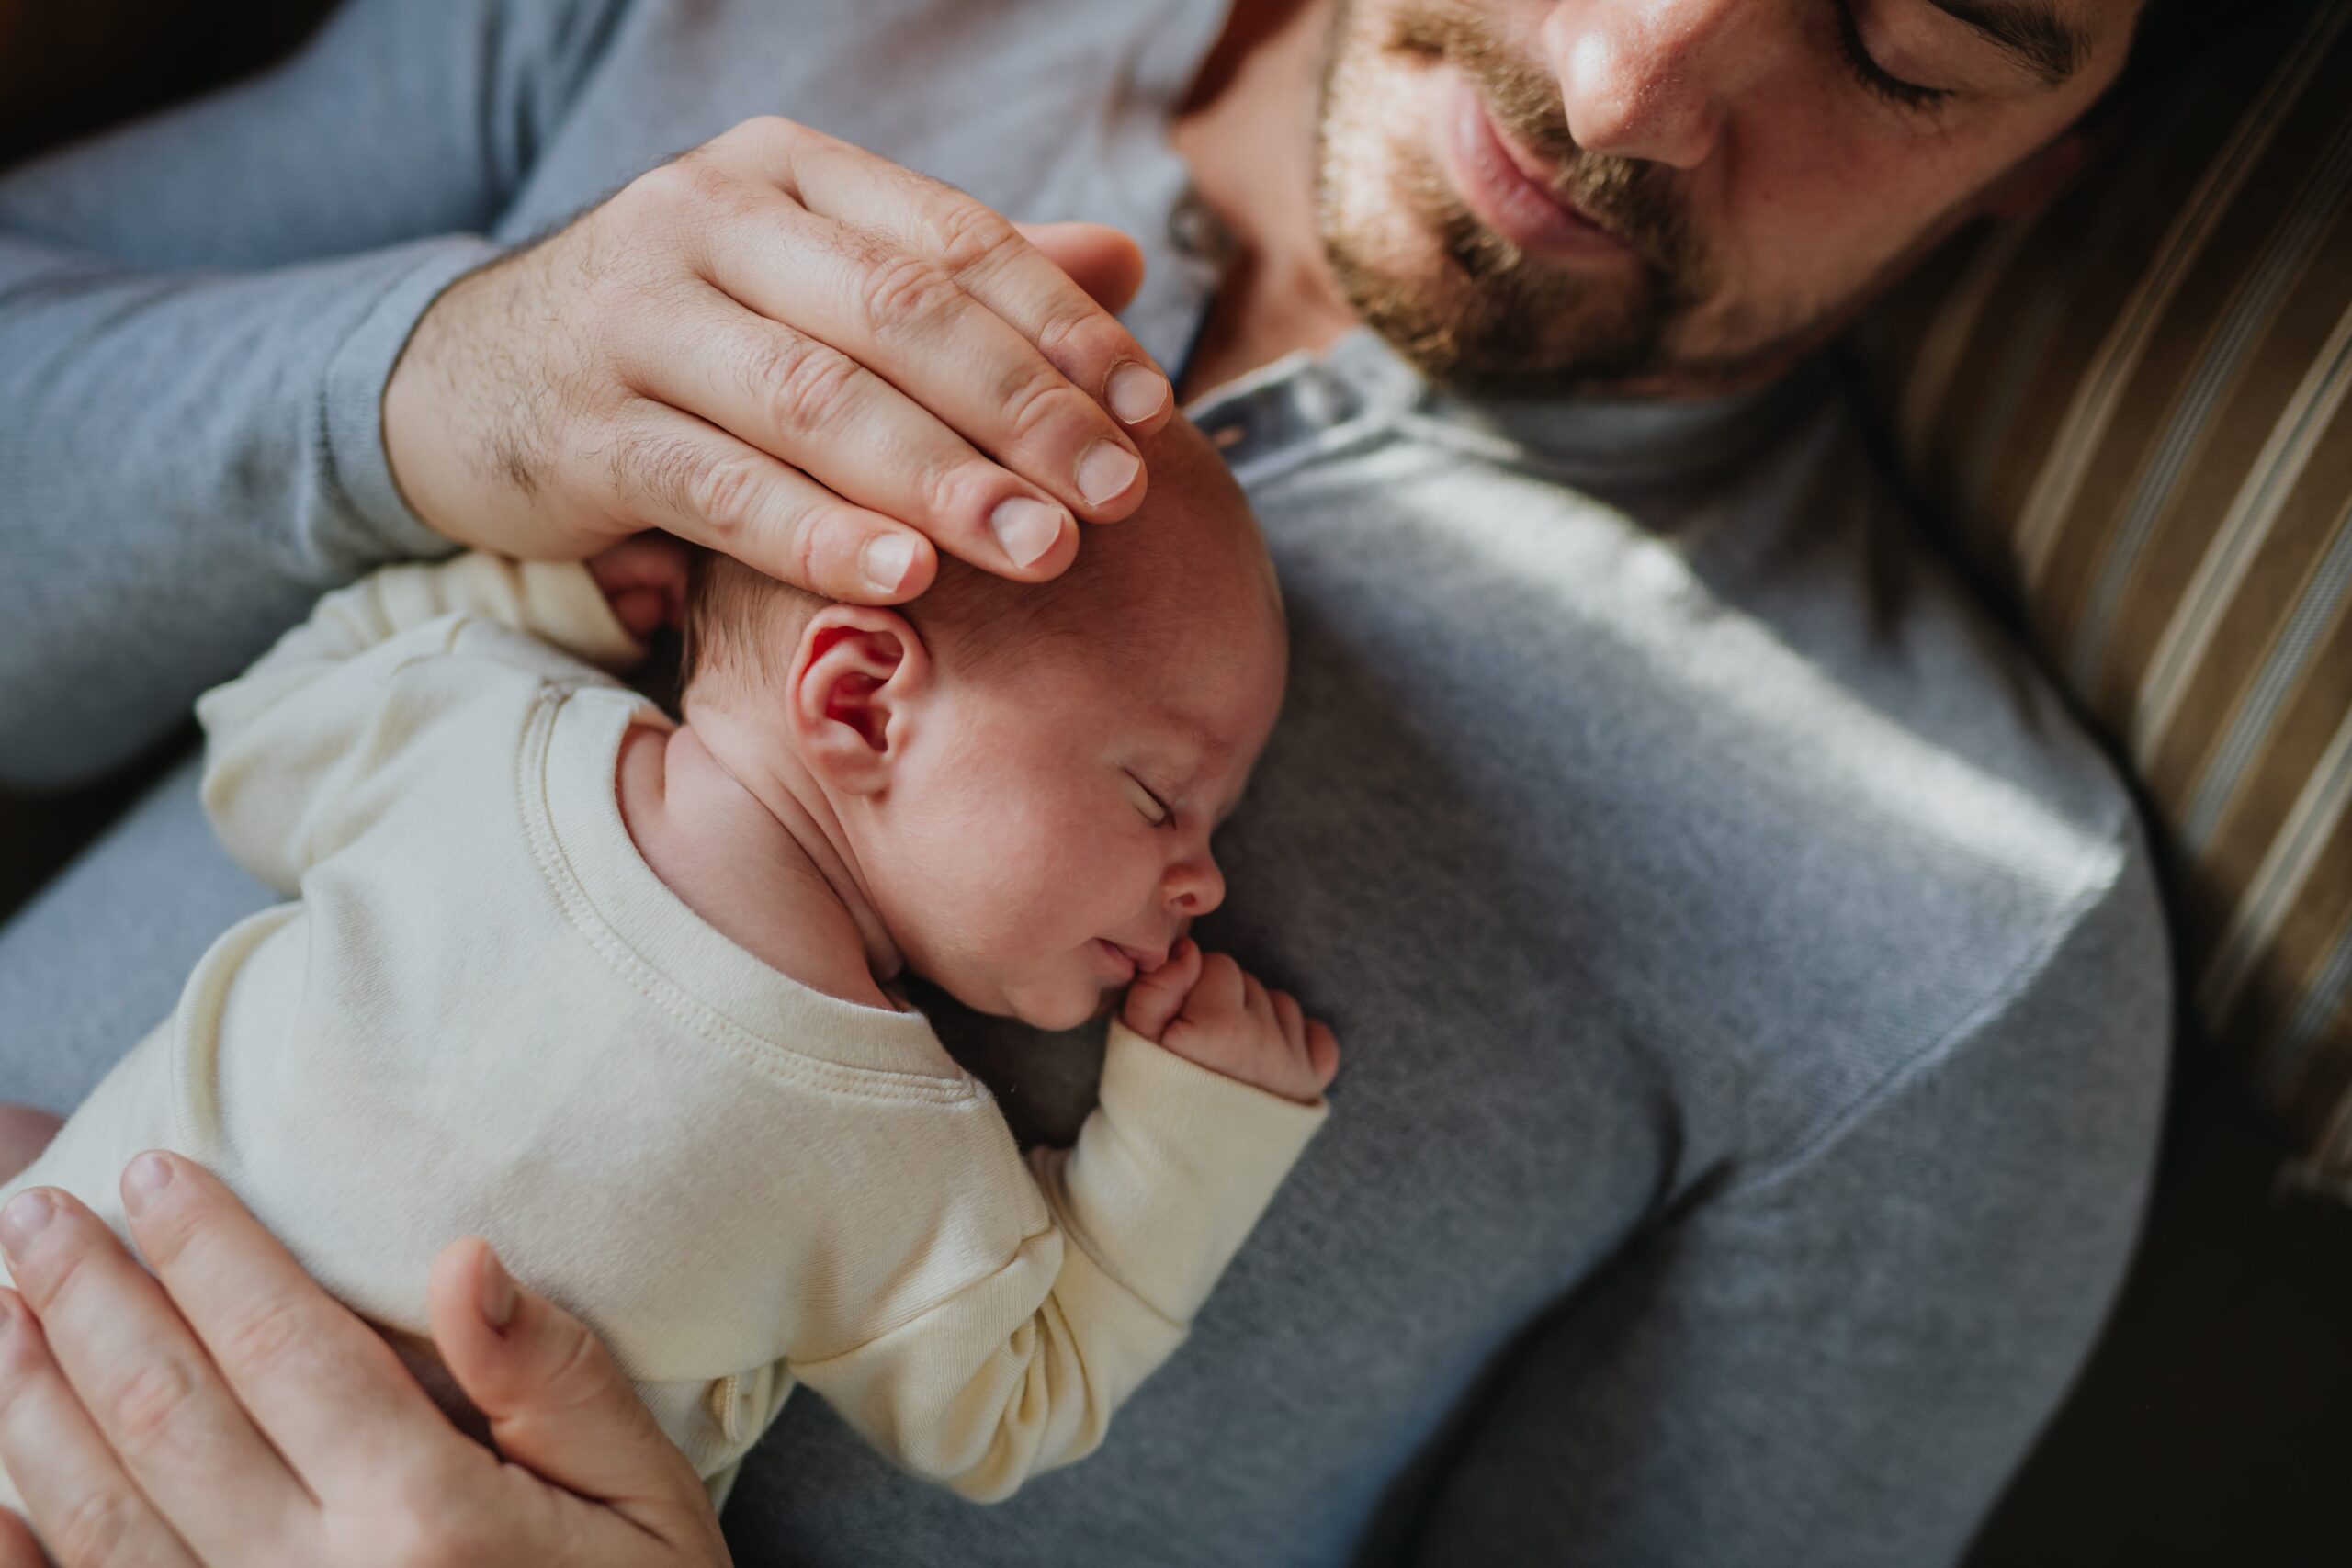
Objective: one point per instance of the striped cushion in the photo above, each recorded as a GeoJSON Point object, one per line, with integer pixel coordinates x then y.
{"type": "Point", "coordinates": [2136, 411]}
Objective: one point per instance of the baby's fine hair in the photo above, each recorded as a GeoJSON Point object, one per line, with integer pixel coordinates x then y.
{"type": "Point", "coordinates": [1122, 570]}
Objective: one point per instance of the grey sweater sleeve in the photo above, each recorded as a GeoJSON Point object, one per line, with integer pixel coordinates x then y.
{"type": "Point", "coordinates": [198, 314]}
{"type": "Point", "coordinates": [1863, 1338]}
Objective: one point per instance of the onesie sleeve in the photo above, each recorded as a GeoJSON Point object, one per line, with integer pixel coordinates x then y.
{"type": "Point", "coordinates": [305, 749]}
{"type": "Point", "coordinates": [1020, 1370]}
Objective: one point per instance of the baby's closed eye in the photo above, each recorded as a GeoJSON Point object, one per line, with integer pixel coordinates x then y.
{"type": "Point", "coordinates": [1155, 811]}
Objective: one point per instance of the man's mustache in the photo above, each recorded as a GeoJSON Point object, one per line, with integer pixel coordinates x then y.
{"type": "Point", "coordinates": [1633, 198]}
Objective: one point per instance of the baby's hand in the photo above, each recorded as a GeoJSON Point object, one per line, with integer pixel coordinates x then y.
{"type": "Point", "coordinates": [1203, 1007]}
{"type": "Point", "coordinates": [644, 580]}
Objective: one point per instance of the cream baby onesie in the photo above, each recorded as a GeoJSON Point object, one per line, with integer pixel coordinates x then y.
{"type": "Point", "coordinates": [484, 1014]}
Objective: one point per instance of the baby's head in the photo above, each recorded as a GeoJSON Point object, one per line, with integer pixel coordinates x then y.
{"type": "Point", "coordinates": [1025, 776]}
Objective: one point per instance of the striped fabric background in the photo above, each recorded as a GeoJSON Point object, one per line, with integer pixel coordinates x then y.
{"type": "Point", "coordinates": [2136, 411]}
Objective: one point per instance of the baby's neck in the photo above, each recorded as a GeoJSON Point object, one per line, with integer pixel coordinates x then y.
{"type": "Point", "coordinates": [754, 860]}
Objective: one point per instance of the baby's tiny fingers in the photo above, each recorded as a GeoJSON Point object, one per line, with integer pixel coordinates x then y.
{"type": "Point", "coordinates": [1153, 999]}
{"type": "Point", "coordinates": [1259, 1005]}
{"type": "Point", "coordinates": [641, 611]}
{"type": "Point", "coordinates": [1322, 1054]}
{"type": "Point", "coordinates": [1291, 1018]}
{"type": "Point", "coordinates": [1219, 990]}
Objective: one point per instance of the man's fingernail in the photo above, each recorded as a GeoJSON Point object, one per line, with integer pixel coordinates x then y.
{"type": "Point", "coordinates": [497, 1293]}
{"type": "Point", "coordinates": [147, 1175]}
{"type": "Point", "coordinates": [1026, 529]}
{"type": "Point", "coordinates": [1106, 469]}
{"type": "Point", "coordinates": [27, 1216]}
{"type": "Point", "coordinates": [1136, 392]}
{"type": "Point", "coordinates": [886, 559]}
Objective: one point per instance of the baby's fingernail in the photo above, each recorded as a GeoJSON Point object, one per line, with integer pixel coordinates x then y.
{"type": "Point", "coordinates": [1136, 392]}
{"type": "Point", "coordinates": [1026, 529]}
{"type": "Point", "coordinates": [497, 1293]}
{"type": "Point", "coordinates": [1105, 471]}
{"type": "Point", "coordinates": [147, 1175]}
{"type": "Point", "coordinates": [886, 559]}
{"type": "Point", "coordinates": [27, 1216]}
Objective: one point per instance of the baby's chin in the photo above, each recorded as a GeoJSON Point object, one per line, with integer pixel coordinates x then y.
{"type": "Point", "coordinates": [1075, 1013]}
{"type": "Point", "coordinates": [1072, 1004]}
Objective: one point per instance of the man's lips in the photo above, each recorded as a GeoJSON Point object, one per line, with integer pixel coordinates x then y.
{"type": "Point", "coordinates": [1509, 189]}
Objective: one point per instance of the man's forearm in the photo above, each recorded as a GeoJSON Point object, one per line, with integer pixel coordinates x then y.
{"type": "Point", "coordinates": [197, 315]}
{"type": "Point", "coordinates": [187, 463]}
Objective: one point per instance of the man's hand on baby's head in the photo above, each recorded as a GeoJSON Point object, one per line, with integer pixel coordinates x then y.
{"type": "Point", "coordinates": [644, 580]}
{"type": "Point", "coordinates": [1207, 1009]}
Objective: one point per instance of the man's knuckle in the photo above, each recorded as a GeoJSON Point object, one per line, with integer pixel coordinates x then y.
{"type": "Point", "coordinates": [58, 1282]}
{"type": "Point", "coordinates": [168, 1228]}
{"type": "Point", "coordinates": [146, 1405]}
{"type": "Point", "coordinates": [724, 491]}
{"type": "Point", "coordinates": [97, 1529]}
{"type": "Point", "coordinates": [902, 295]}
{"type": "Point", "coordinates": [685, 185]}
{"type": "Point", "coordinates": [1076, 332]}
{"type": "Point", "coordinates": [1034, 397]}
{"type": "Point", "coordinates": [956, 491]}
{"type": "Point", "coordinates": [657, 473]}
{"type": "Point", "coordinates": [581, 1373]}
{"type": "Point", "coordinates": [767, 131]}
{"type": "Point", "coordinates": [966, 236]}
{"type": "Point", "coordinates": [803, 384]}
{"type": "Point", "coordinates": [827, 533]}
{"type": "Point", "coordinates": [689, 479]}
{"type": "Point", "coordinates": [263, 1338]}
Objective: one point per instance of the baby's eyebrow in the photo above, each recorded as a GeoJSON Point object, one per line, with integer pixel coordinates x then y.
{"type": "Point", "coordinates": [1198, 739]}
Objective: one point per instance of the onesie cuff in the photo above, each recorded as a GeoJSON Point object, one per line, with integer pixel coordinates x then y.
{"type": "Point", "coordinates": [1173, 1170]}
{"type": "Point", "coordinates": [379, 525]}
{"type": "Point", "coordinates": [1224, 1134]}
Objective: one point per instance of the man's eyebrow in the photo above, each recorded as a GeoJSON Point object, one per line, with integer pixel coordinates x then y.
{"type": "Point", "coordinates": [2032, 33]}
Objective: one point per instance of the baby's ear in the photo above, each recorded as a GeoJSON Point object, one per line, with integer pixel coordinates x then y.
{"type": "Point", "coordinates": [855, 677]}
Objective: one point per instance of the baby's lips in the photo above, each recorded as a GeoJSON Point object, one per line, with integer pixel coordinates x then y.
{"type": "Point", "coordinates": [1146, 960]}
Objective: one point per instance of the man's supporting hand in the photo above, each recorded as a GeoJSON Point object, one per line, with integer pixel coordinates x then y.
{"type": "Point", "coordinates": [227, 1411]}
{"type": "Point", "coordinates": [791, 351]}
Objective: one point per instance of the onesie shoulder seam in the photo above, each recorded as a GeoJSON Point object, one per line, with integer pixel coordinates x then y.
{"type": "Point", "coordinates": [768, 1058]}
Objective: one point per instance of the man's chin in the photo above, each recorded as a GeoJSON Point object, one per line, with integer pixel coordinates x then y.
{"type": "Point", "coordinates": [1525, 335]}
{"type": "Point", "coordinates": [1443, 324]}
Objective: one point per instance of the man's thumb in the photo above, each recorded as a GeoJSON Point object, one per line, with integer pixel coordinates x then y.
{"type": "Point", "coordinates": [1099, 259]}
{"type": "Point", "coordinates": [556, 1403]}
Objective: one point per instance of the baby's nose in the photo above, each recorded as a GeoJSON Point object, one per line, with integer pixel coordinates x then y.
{"type": "Point", "coordinates": [1195, 886]}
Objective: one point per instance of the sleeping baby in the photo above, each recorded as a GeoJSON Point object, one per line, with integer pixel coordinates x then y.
{"type": "Point", "coordinates": [618, 993]}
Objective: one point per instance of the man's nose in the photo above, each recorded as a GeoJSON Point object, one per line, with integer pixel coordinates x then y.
{"type": "Point", "coordinates": [1637, 76]}
{"type": "Point", "coordinates": [1193, 885]}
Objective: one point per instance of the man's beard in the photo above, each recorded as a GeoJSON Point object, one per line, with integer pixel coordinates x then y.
{"type": "Point", "coordinates": [1462, 302]}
